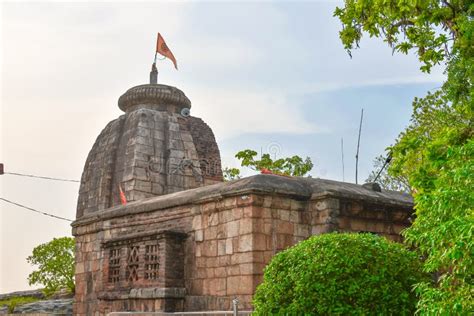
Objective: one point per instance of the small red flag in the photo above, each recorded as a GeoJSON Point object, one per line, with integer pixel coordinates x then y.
{"type": "Point", "coordinates": [123, 198]}
{"type": "Point", "coordinates": [163, 49]}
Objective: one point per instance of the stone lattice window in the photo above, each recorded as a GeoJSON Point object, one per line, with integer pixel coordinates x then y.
{"type": "Point", "coordinates": [114, 265]}
{"type": "Point", "coordinates": [137, 260]}
{"type": "Point", "coordinates": [152, 263]}
{"type": "Point", "coordinates": [133, 261]}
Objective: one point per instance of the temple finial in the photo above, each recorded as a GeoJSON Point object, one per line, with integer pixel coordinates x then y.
{"type": "Point", "coordinates": [154, 74]}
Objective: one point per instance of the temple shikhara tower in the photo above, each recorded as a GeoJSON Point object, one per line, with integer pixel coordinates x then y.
{"type": "Point", "coordinates": [185, 240]}
{"type": "Point", "coordinates": [155, 148]}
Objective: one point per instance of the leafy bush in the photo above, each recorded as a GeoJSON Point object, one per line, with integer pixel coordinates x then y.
{"type": "Point", "coordinates": [340, 274]}
{"type": "Point", "coordinates": [55, 261]}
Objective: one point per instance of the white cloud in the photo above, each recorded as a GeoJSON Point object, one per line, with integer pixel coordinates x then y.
{"type": "Point", "coordinates": [206, 54]}
{"type": "Point", "coordinates": [381, 81]}
{"type": "Point", "coordinates": [236, 112]}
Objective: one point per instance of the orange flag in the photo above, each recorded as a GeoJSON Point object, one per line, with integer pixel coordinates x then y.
{"type": "Point", "coordinates": [163, 49]}
{"type": "Point", "coordinates": [123, 198]}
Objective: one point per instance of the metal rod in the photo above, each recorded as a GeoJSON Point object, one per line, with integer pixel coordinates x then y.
{"type": "Point", "coordinates": [342, 157]}
{"type": "Point", "coordinates": [358, 145]}
{"type": "Point", "coordinates": [235, 306]}
{"type": "Point", "coordinates": [387, 161]}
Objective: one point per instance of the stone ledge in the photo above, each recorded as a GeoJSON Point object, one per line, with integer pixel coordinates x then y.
{"type": "Point", "coordinates": [50, 307]}
{"type": "Point", "coordinates": [34, 293]}
{"type": "Point", "coordinates": [298, 188]}
{"type": "Point", "coordinates": [153, 94]}
{"type": "Point", "coordinates": [323, 187]}
{"type": "Point", "coordinates": [173, 292]}
{"type": "Point", "coordinates": [145, 293]}
{"type": "Point", "coordinates": [125, 239]}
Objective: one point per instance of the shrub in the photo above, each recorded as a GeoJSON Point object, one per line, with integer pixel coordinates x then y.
{"type": "Point", "coordinates": [342, 274]}
{"type": "Point", "coordinates": [55, 261]}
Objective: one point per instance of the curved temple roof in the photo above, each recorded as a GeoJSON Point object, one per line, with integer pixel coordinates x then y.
{"type": "Point", "coordinates": [155, 148]}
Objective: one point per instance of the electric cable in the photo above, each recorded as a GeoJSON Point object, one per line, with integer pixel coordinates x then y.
{"type": "Point", "coordinates": [40, 177]}
{"type": "Point", "coordinates": [34, 210]}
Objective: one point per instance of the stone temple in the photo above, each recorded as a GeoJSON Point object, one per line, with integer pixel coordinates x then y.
{"type": "Point", "coordinates": [155, 148]}
{"type": "Point", "coordinates": [186, 240]}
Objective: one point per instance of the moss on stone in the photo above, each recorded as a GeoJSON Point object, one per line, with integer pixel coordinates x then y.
{"type": "Point", "coordinates": [15, 301]}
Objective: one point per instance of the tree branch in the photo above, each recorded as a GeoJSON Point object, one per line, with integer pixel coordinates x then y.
{"type": "Point", "coordinates": [403, 23]}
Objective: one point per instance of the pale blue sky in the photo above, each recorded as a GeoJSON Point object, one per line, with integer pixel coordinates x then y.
{"type": "Point", "coordinates": [263, 75]}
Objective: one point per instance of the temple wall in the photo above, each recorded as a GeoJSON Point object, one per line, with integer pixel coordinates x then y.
{"type": "Point", "coordinates": [198, 249]}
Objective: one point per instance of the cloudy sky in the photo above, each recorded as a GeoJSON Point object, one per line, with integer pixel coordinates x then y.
{"type": "Point", "coordinates": [271, 76]}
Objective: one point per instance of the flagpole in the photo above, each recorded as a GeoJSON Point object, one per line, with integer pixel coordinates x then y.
{"type": "Point", "coordinates": [154, 72]}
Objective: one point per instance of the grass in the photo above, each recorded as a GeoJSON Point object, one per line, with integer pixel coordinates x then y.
{"type": "Point", "coordinates": [12, 302]}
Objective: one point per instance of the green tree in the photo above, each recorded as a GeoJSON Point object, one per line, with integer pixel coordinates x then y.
{"type": "Point", "coordinates": [438, 31]}
{"type": "Point", "coordinates": [385, 179]}
{"type": "Point", "coordinates": [55, 261]}
{"type": "Point", "coordinates": [290, 166]}
{"type": "Point", "coordinates": [231, 174]}
{"type": "Point", "coordinates": [435, 153]}
{"type": "Point", "coordinates": [340, 274]}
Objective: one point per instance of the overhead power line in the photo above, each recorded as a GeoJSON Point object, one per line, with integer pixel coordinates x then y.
{"type": "Point", "coordinates": [34, 210]}
{"type": "Point", "coordinates": [40, 177]}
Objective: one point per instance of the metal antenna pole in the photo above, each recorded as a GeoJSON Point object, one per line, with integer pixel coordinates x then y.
{"type": "Point", "coordinates": [358, 143]}
{"type": "Point", "coordinates": [342, 157]}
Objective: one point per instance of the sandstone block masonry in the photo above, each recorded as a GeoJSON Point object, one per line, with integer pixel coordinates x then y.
{"type": "Point", "coordinates": [155, 148]}
{"type": "Point", "coordinates": [198, 249]}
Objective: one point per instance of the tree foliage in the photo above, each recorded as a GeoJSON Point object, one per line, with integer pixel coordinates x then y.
{"type": "Point", "coordinates": [436, 30]}
{"type": "Point", "coordinates": [231, 174]}
{"type": "Point", "coordinates": [386, 180]}
{"type": "Point", "coordinates": [290, 166]}
{"type": "Point", "coordinates": [340, 274]}
{"type": "Point", "coordinates": [440, 32]}
{"type": "Point", "coordinates": [55, 261]}
{"type": "Point", "coordinates": [435, 153]}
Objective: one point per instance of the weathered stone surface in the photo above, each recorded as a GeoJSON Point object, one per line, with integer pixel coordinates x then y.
{"type": "Point", "coordinates": [158, 293]}
{"type": "Point", "coordinates": [52, 307]}
{"type": "Point", "coordinates": [158, 95]}
{"type": "Point", "coordinates": [300, 189]}
{"type": "Point", "coordinates": [31, 293]}
{"type": "Point", "coordinates": [151, 150]}
{"type": "Point", "coordinates": [233, 231]}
